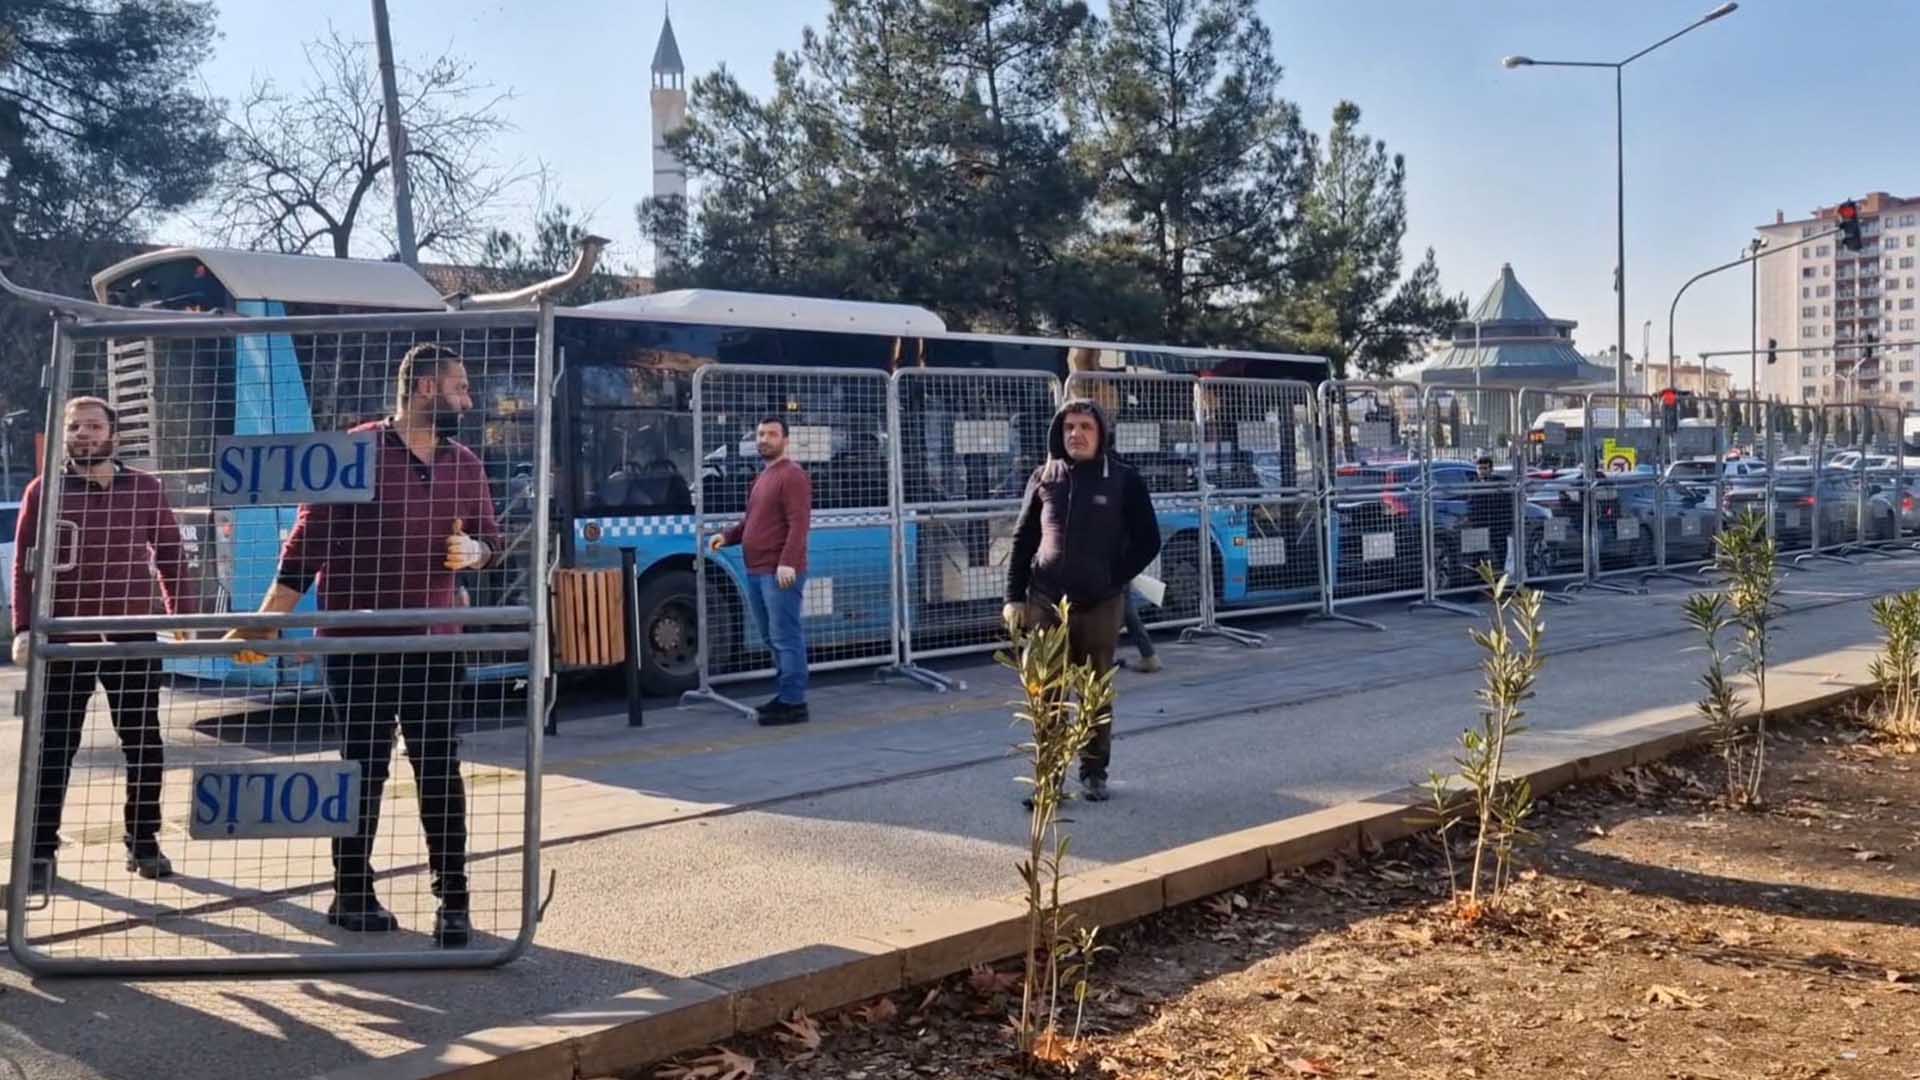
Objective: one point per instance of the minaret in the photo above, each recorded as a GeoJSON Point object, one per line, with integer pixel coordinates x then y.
{"type": "Point", "coordinates": [669, 101]}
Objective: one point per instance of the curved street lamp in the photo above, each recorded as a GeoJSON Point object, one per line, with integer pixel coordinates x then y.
{"type": "Point", "coordinates": [1620, 167]}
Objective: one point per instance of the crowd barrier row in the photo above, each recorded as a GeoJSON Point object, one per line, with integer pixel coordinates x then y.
{"type": "Point", "coordinates": [1272, 496]}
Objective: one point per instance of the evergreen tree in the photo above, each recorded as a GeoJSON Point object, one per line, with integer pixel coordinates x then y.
{"type": "Point", "coordinates": [1201, 162]}
{"type": "Point", "coordinates": [1012, 200]}
{"type": "Point", "coordinates": [1349, 300]}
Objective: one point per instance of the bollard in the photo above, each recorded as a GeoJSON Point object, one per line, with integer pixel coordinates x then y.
{"type": "Point", "coordinates": [630, 609]}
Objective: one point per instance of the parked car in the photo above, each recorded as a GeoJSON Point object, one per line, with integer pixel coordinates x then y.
{"type": "Point", "coordinates": [1799, 496]}
{"type": "Point", "coordinates": [1377, 528]}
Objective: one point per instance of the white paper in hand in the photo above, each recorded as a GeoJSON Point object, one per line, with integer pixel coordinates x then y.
{"type": "Point", "coordinates": [1151, 589]}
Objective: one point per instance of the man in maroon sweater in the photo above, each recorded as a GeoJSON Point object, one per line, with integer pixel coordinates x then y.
{"type": "Point", "coordinates": [431, 517]}
{"type": "Point", "coordinates": [779, 512]}
{"type": "Point", "coordinates": [122, 547]}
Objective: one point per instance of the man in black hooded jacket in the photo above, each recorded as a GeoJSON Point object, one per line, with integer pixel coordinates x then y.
{"type": "Point", "coordinates": [1087, 528]}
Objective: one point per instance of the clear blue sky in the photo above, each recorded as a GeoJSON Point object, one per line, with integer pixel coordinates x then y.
{"type": "Point", "coordinates": [1782, 105]}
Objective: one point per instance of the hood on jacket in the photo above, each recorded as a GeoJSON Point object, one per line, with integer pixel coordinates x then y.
{"type": "Point", "coordinates": [1057, 430]}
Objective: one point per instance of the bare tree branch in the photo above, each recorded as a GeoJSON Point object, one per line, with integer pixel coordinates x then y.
{"type": "Point", "coordinates": [310, 168]}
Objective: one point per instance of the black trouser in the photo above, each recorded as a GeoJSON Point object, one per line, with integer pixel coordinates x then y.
{"type": "Point", "coordinates": [133, 700]}
{"type": "Point", "coordinates": [374, 694]}
{"type": "Point", "coordinates": [1093, 631]}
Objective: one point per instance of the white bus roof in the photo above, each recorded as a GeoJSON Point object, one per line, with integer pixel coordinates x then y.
{"type": "Point", "coordinates": [301, 279]}
{"type": "Point", "coordinates": [718, 307]}
{"type": "Point", "coordinates": [1135, 346]}
{"type": "Point", "coordinates": [1576, 418]}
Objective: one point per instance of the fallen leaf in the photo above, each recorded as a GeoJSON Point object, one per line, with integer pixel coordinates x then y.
{"type": "Point", "coordinates": [1111, 1067]}
{"type": "Point", "coordinates": [878, 1011]}
{"type": "Point", "coordinates": [926, 1005]}
{"type": "Point", "coordinates": [1896, 976]}
{"type": "Point", "coordinates": [1260, 1043]}
{"type": "Point", "coordinates": [1673, 997]}
{"type": "Point", "coordinates": [722, 1064]}
{"type": "Point", "coordinates": [1868, 856]}
{"type": "Point", "coordinates": [1736, 937]}
{"type": "Point", "coordinates": [988, 982]}
{"type": "Point", "coordinates": [1050, 1047]}
{"type": "Point", "coordinates": [1310, 1066]}
{"type": "Point", "coordinates": [802, 1033]}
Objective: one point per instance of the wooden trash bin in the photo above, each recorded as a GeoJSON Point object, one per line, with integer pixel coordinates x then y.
{"type": "Point", "coordinates": [589, 629]}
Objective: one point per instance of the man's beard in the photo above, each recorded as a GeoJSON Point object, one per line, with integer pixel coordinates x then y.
{"type": "Point", "coordinates": [768, 453]}
{"type": "Point", "coordinates": [89, 456]}
{"type": "Point", "coordinates": [446, 421]}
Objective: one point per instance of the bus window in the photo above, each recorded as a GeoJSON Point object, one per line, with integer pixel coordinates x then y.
{"type": "Point", "coordinates": [634, 440]}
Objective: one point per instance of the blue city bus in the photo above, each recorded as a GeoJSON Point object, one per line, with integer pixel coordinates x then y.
{"type": "Point", "coordinates": [174, 397]}
{"type": "Point", "coordinates": [623, 427]}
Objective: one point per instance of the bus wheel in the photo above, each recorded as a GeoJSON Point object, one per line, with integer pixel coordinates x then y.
{"type": "Point", "coordinates": [1180, 563]}
{"type": "Point", "coordinates": [670, 630]}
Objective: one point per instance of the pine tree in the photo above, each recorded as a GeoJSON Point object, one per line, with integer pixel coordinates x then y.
{"type": "Point", "coordinates": [1201, 162]}
{"type": "Point", "coordinates": [1348, 300]}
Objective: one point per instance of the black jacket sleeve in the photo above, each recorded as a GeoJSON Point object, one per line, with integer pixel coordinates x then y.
{"type": "Point", "coordinates": [1026, 541]}
{"type": "Point", "coordinates": [1143, 530]}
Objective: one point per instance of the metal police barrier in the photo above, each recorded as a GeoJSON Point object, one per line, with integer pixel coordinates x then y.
{"type": "Point", "coordinates": [1693, 482]}
{"type": "Point", "coordinates": [1747, 466]}
{"type": "Point", "coordinates": [1888, 501]}
{"type": "Point", "coordinates": [1370, 494]}
{"type": "Point", "coordinates": [1838, 505]}
{"type": "Point", "coordinates": [836, 429]}
{"type": "Point", "coordinates": [1260, 464]}
{"type": "Point", "coordinates": [1470, 498]}
{"type": "Point", "coordinates": [1553, 493]}
{"type": "Point", "coordinates": [1790, 497]}
{"type": "Point", "coordinates": [180, 823]}
{"type": "Point", "coordinates": [965, 444]}
{"type": "Point", "coordinates": [1624, 456]}
{"type": "Point", "coordinates": [1153, 431]}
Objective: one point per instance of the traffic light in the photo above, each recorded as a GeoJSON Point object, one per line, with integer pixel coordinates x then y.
{"type": "Point", "coordinates": [1670, 410]}
{"type": "Point", "coordinates": [1772, 345]}
{"type": "Point", "coordinates": [1849, 215]}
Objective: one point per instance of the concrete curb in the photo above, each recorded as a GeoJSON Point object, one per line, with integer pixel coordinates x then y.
{"type": "Point", "coordinates": [674, 1015]}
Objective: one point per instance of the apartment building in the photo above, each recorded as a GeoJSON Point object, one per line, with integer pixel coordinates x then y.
{"type": "Point", "coordinates": [1833, 303]}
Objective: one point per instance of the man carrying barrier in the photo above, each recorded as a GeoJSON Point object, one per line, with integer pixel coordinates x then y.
{"type": "Point", "coordinates": [431, 517]}
{"type": "Point", "coordinates": [1087, 528]}
{"type": "Point", "coordinates": [123, 556]}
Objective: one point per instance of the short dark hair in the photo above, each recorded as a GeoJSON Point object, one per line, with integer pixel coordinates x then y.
{"type": "Point", "coordinates": [113, 417]}
{"type": "Point", "coordinates": [770, 419]}
{"type": "Point", "coordinates": [427, 360]}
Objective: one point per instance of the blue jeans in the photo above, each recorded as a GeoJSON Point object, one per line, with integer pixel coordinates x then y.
{"type": "Point", "coordinates": [776, 611]}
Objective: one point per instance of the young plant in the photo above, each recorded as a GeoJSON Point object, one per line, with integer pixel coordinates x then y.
{"type": "Point", "coordinates": [1510, 665]}
{"type": "Point", "coordinates": [1748, 606]}
{"type": "Point", "coordinates": [1720, 707]}
{"type": "Point", "coordinates": [1896, 715]}
{"type": "Point", "coordinates": [1064, 704]}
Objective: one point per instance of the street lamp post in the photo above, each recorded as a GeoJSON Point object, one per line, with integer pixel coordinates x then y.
{"type": "Point", "coordinates": [1753, 324]}
{"type": "Point", "coordinates": [1620, 166]}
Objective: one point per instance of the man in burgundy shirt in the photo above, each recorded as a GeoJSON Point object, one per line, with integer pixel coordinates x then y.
{"type": "Point", "coordinates": [117, 535]}
{"type": "Point", "coordinates": [431, 517]}
{"type": "Point", "coordinates": [774, 531]}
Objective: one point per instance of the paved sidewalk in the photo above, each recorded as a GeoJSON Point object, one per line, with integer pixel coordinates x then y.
{"type": "Point", "coordinates": [702, 842]}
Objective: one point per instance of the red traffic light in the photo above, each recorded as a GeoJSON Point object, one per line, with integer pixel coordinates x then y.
{"type": "Point", "coordinates": [1848, 211]}
{"type": "Point", "coordinates": [1669, 397]}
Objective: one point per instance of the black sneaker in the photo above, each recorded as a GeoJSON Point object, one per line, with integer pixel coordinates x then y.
{"type": "Point", "coordinates": [1094, 789]}
{"type": "Point", "coordinates": [452, 929]}
{"type": "Point", "coordinates": [779, 714]}
{"type": "Point", "coordinates": [361, 917]}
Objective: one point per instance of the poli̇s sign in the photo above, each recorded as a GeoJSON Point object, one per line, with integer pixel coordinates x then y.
{"type": "Point", "coordinates": [275, 799]}
{"type": "Point", "coordinates": [287, 470]}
